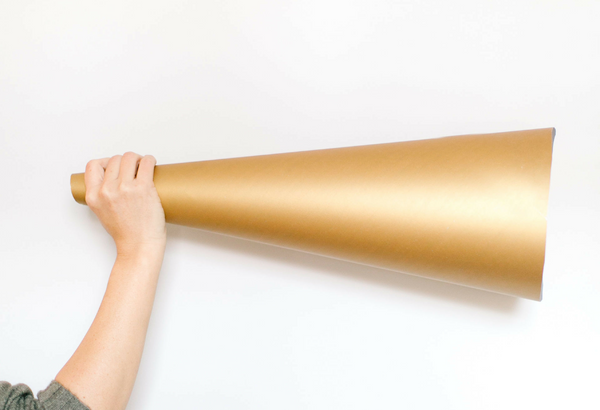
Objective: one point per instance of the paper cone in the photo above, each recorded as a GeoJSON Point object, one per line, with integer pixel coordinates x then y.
{"type": "Point", "coordinates": [467, 209]}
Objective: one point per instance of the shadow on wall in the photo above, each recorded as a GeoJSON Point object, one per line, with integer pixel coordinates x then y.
{"type": "Point", "coordinates": [381, 277]}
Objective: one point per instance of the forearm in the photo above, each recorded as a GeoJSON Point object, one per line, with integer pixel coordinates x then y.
{"type": "Point", "coordinates": [103, 369]}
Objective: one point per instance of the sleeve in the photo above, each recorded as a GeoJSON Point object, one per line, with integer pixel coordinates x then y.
{"type": "Point", "coordinates": [54, 397]}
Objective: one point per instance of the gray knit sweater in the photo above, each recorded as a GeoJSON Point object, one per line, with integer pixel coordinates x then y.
{"type": "Point", "coordinates": [55, 397]}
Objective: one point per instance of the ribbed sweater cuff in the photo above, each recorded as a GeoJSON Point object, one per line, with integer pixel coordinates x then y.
{"type": "Point", "coordinates": [57, 397]}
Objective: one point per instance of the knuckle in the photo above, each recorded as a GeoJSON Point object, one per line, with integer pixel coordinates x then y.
{"type": "Point", "coordinates": [104, 192]}
{"type": "Point", "coordinates": [143, 186]}
{"type": "Point", "coordinates": [125, 187]}
{"type": "Point", "coordinates": [130, 154]}
{"type": "Point", "coordinates": [148, 159]}
{"type": "Point", "coordinates": [91, 198]}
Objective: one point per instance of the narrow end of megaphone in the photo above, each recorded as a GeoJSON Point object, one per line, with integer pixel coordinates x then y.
{"type": "Point", "coordinates": [78, 188]}
{"type": "Point", "coordinates": [553, 135]}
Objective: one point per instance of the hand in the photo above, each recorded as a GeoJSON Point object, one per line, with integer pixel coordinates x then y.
{"type": "Point", "coordinates": [121, 192]}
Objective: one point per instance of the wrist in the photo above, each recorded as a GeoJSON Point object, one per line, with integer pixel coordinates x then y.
{"type": "Point", "coordinates": [140, 252]}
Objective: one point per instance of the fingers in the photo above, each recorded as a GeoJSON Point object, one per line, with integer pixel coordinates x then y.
{"type": "Point", "coordinates": [129, 166]}
{"type": "Point", "coordinates": [112, 169]}
{"type": "Point", "coordinates": [146, 170]}
{"type": "Point", "coordinates": [94, 171]}
{"type": "Point", "coordinates": [94, 175]}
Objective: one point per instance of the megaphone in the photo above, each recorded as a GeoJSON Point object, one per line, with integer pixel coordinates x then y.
{"type": "Point", "coordinates": [468, 209]}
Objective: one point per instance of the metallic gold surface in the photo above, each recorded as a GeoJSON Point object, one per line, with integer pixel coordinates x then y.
{"type": "Point", "coordinates": [467, 209]}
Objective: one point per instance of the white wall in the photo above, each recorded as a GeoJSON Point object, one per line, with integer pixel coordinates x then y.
{"type": "Point", "coordinates": [241, 325]}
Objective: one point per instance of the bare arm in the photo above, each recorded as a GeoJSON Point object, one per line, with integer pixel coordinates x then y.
{"type": "Point", "coordinates": [103, 369]}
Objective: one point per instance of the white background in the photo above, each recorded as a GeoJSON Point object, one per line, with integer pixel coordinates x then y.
{"type": "Point", "coordinates": [242, 325]}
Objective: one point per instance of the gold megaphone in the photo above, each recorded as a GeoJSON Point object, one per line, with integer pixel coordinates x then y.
{"type": "Point", "coordinates": [467, 209]}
